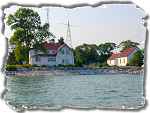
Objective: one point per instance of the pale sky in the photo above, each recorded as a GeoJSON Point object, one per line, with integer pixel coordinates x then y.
{"type": "Point", "coordinates": [107, 23]}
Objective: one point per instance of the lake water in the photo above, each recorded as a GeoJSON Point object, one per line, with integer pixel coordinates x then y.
{"type": "Point", "coordinates": [77, 91]}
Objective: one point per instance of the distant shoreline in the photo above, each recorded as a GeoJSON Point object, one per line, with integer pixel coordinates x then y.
{"type": "Point", "coordinates": [37, 71]}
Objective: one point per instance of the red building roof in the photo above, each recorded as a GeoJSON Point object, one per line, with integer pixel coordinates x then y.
{"type": "Point", "coordinates": [124, 53]}
{"type": "Point", "coordinates": [52, 45]}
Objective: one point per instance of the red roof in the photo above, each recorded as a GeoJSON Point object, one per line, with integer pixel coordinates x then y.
{"type": "Point", "coordinates": [124, 53]}
{"type": "Point", "coordinates": [52, 45]}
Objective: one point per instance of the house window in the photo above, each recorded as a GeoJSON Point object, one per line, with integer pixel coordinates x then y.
{"type": "Point", "coordinates": [51, 59]}
{"type": "Point", "coordinates": [120, 61]}
{"type": "Point", "coordinates": [63, 61]}
{"type": "Point", "coordinates": [53, 51]}
{"type": "Point", "coordinates": [67, 52]}
{"type": "Point", "coordinates": [62, 51]}
{"type": "Point", "coordinates": [37, 59]}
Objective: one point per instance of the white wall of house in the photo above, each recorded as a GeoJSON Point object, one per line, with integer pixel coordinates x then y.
{"type": "Point", "coordinates": [122, 61]}
{"type": "Point", "coordinates": [111, 62]}
{"type": "Point", "coordinates": [31, 53]}
{"type": "Point", "coordinates": [65, 56]}
{"type": "Point", "coordinates": [43, 60]}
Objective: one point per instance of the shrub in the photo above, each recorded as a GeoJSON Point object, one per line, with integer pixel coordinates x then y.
{"type": "Point", "coordinates": [60, 65]}
{"type": "Point", "coordinates": [34, 65]}
{"type": "Point", "coordinates": [11, 67]}
{"type": "Point", "coordinates": [11, 60]}
{"type": "Point", "coordinates": [26, 65]}
{"type": "Point", "coordinates": [44, 66]}
{"type": "Point", "coordinates": [15, 67]}
{"type": "Point", "coordinates": [67, 65]}
{"type": "Point", "coordinates": [103, 65]}
{"type": "Point", "coordinates": [137, 59]}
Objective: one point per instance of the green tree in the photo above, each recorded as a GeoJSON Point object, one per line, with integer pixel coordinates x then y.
{"type": "Point", "coordinates": [24, 22]}
{"type": "Point", "coordinates": [128, 44]}
{"type": "Point", "coordinates": [137, 59]}
{"type": "Point", "coordinates": [86, 54]}
{"type": "Point", "coordinates": [27, 32]}
{"type": "Point", "coordinates": [104, 51]}
{"type": "Point", "coordinates": [41, 35]}
{"type": "Point", "coordinates": [11, 60]}
{"type": "Point", "coordinates": [21, 54]}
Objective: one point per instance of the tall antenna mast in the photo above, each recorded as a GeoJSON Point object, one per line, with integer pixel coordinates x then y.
{"type": "Point", "coordinates": [47, 16]}
{"type": "Point", "coordinates": [48, 21]}
{"type": "Point", "coordinates": [68, 36]}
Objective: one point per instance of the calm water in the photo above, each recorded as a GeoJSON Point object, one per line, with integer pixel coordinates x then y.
{"type": "Point", "coordinates": [84, 91]}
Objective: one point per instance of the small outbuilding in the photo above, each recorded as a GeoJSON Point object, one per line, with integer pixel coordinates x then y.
{"type": "Point", "coordinates": [121, 58]}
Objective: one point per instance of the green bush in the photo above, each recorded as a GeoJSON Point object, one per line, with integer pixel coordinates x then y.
{"type": "Point", "coordinates": [60, 65]}
{"type": "Point", "coordinates": [44, 66]}
{"type": "Point", "coordinates": [103, 64]}
{"type": "Point", "coordinates": [137, 59]}
{"type": "Point", "coordinates": [11, 67]}
{"type": "Point", "coordinates": [15, 67]}
{"type": "Point", "coordinates": [25, 65]}
{"type": "Point", "coordinates": [34, 65]}
{"type": "Point", "coordinates": [68, 65]}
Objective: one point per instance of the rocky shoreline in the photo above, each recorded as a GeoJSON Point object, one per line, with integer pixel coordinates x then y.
{"type": "Point", "coordinates": [76, 71]}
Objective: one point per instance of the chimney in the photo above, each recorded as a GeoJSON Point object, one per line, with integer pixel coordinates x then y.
{"type": "Point", "coordinates": [52, 41]}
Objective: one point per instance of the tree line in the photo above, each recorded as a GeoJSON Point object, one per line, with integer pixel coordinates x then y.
{"type": "Point", "coordinates": [87, 54]}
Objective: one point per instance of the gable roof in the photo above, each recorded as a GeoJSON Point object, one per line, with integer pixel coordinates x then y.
{"type": "Point", "coordinates": [54, 47]}
{"type": "Point", "coordinates": [124, 53]}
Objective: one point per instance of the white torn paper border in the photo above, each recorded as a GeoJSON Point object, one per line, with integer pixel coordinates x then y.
{"type": "Point", "coordinates": [123, 106]}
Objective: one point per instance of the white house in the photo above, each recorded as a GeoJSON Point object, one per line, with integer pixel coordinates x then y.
{"type": "Point", "coordinates": [121, 58]}
{"type": "Point", "coordinates": [56, 54]}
